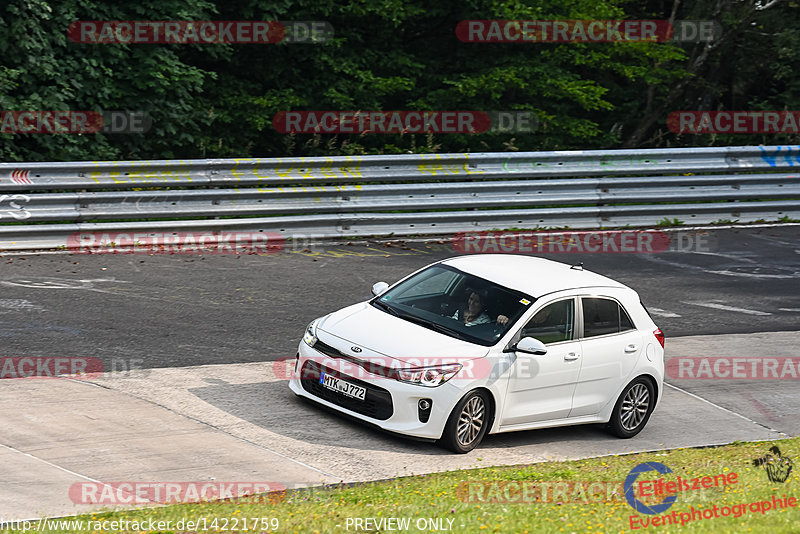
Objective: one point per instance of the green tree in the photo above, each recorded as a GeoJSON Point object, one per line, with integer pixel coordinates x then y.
{"type": "Point", "coordinates": [42, 69]}
{"type": "Point", "coordinates": [392, 55]}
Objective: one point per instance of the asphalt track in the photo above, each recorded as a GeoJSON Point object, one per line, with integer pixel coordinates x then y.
{"type": "Point", "coordinates": [176, 311]}
{"type": "Point", "coordinates": [203, 334]}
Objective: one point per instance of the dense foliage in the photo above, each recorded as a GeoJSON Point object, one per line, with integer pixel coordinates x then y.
{"type": "Point", "coordinates": [218, 100]}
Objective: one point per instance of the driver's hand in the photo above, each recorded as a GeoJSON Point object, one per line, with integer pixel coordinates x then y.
{"type": "Point", "coordinates": [502, 319]}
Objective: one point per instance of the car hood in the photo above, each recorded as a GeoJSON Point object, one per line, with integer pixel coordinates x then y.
{"type": "Point", "coordinates": [376, 331]}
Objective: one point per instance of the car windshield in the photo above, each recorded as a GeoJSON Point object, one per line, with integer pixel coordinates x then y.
{"type": "Point", "coordinates": [456, 304]}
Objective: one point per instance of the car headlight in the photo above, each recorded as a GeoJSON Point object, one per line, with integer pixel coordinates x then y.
{"type": "Point", "coordinates": [428, 376]}
{"type": "Point", "coordinates": [310, 337]}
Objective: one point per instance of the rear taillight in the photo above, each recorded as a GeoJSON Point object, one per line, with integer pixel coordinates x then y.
{"type": "Point", "coordinates": [659, 336]}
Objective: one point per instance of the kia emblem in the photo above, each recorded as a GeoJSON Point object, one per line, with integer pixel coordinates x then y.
{"type": "Point", "coordinates": [355, 349]}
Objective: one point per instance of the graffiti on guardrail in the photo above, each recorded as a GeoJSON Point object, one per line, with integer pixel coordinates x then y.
{"type": "Point", "coordinates": [567, 163]}
{"type": "Point", "coordinates": [771, 154]}
{"type": "Point", "coordinates": [310, 169]}
{"type": "Point", "coordinates": [231, 187]}
{"type": "Point", "coordinates": [11, 205]}
{"type": "Point", "coordinates": [144, 175]}
{"type": "Point", "coordinates": [250, 170]}
{"type": "Point", "coordinates": [436, 165]}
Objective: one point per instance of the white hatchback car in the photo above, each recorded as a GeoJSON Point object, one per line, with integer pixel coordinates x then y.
{"type": "Point", "coordinates": [487, 343]}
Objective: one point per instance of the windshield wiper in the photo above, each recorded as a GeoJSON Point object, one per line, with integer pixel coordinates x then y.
{"type": "Point", "coordinates": [447, 330]}
{"type": "Point", "coordinates": [385, 307]}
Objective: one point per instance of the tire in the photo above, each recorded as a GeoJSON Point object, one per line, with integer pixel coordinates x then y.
{"type": "Point", "coordinates": [633, 409]}
{"type": "Point", "coordinates": [460, 433]}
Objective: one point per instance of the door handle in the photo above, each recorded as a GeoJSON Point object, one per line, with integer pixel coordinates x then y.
{"type": "Point", "coordinates": [571, 356]}
{"type": "Point", "coordinates": [631, 348]}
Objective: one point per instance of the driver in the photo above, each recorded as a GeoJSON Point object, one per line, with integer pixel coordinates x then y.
{"type": "Point", "coordinates": [474, 310]}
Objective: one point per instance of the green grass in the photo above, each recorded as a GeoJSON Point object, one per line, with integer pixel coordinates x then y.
{"type": "Point", "coordinates": [437, 496]}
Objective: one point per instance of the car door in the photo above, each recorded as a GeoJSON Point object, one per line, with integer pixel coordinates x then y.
{"type": "Point", "coordinates": [610, 347]}
{"type": "Point", "coordinates": [541, 386]}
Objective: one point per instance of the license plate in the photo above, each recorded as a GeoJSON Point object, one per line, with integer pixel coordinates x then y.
{"type": "Point", "coordinates": [342, 386]}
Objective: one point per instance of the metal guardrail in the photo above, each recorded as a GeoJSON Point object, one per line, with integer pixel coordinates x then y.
{"type": "Point", "coordinates": [398, 195]}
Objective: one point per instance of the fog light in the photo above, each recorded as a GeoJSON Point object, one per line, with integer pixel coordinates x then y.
{"type": "Point", "coordinates": [424, 408]}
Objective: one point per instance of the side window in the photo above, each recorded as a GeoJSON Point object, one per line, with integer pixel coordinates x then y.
{"type": "Point", "coordinates": [625, 322]}
{"type": "Point", "coordinates": [604, 316]}
{"type": "Point", "coordinates": [553, 323]}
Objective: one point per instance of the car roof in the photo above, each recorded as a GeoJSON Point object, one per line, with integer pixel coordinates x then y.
{"type": "Point", "coordinates": [529, 274]}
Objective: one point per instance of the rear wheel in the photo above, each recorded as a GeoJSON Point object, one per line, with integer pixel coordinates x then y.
{"type": "Point", "coordinates": [633, 409]}
{"type": "Point", "coordinates": [467, 424]}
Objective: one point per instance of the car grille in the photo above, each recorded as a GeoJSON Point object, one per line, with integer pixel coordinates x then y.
{"type": "Point", "coordinates": [326, 349]}
{"type": "Point", "coordinates": [377, 402]}
{"type": "Point", "coordinates": [373, 367]}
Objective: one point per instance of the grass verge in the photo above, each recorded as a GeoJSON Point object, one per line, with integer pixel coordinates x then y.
{"type": "Point", "coordinates": [559, 498]}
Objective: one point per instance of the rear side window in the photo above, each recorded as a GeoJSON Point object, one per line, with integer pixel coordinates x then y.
{"type": "Point", "coordinates": [604, 316]}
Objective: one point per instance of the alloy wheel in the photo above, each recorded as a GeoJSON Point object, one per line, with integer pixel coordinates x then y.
{"type": "Point", "coordinates": [634, 407]}
{"type": "Point", "coordinates": [470, 421]}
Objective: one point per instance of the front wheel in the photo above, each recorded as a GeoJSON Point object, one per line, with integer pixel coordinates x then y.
{"type": "Point", "coordinates": [467, 423]}
{"type": "Point", "coordinates": [633, 409]}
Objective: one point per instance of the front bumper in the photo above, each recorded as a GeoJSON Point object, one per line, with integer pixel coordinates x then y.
{"type": "Point", "coordinates": [389, 404]}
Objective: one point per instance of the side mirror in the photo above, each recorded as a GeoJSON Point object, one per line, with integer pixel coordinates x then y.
{"type": "Point", "coordinates": [379, 288]}
{"type": "Point", "coordinates": [531, 345]}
